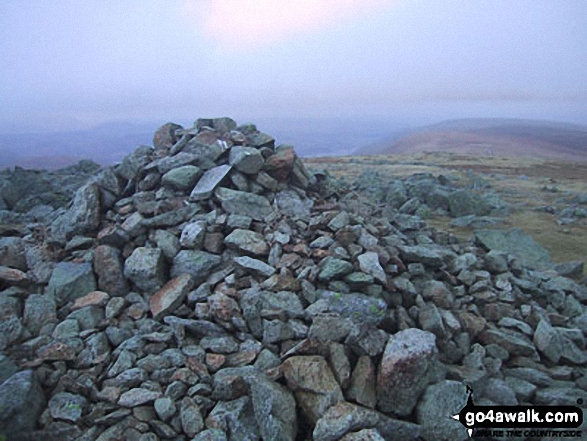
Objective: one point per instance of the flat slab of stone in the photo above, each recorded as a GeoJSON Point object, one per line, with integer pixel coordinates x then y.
{"type": "Point", "coordinates": [243, 203]}
{"type": "Point", "coordinates": [209, 181]}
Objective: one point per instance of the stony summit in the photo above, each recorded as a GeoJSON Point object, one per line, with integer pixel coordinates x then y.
{"type": "Point", "coordinates": [210, 287]}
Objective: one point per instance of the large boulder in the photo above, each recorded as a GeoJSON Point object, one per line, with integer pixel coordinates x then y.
{"type": "Point", "coordinates": [408, 366]}
{"type": "Point", "coordinates": [21, 403]}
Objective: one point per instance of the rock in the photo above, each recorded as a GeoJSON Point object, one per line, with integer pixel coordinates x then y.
{"type": "Point", "coordinates": [21, 403]}
{"type": "Point", "coordinates": [82, 218]}
{"type": "Point", "coordinates": [68, 407]}
{"type": "Point", "coordinates": [243, 203]}
{"type": "Point", "coordinates": [12, 253]}
{"type": "Point", "coordinates": [165, 408]}
{"type": "Point", "coordinates": [235, 417]}
{"type": "Point", "coordinates": [291, 204]}
{"type": "Point", "coordinates": [168, 298]}
{"type": "Point", "coordinates": [515, 242]}
{"type": "Point", "coordinates": [358, 307]}
{"type": "Point", "coordinates": [406, 369]}
{"type": "Point", "coordinates": [313, 384]}
{"type": "Point", "coordinates": [7, 368]}
{"type": "Point", "coordinates": [247, 241]}
{"type": "Point", "coordinates": [146, 269]}
{"type": "Point", "coordinates": [548, 341]}
{"type": "Point", "coordinates": [511, 341]}
{"type": "Point", "coordinates": [254, 266]}
{"type": "Point", "coordinates": [430, 255]}
{"type": "Point", "coordinates": [332, 268]}
{"type": "Point", "coordinates": [108, 266]}
{"type": "Point", "coordinates": [211, 435]}
{"type": "Point", "coordinates": [198, 264]}
{"type": "Point", "coordinates": [181, 178]}
{"type": "Point", "coordinates": [137, 397]}
{"type": "Point", "coordinates": [343, 418]}
{"type": "Point", "coordinates": [12, 276]}
{"type": "Point", "coordinates": [363, 435]}
{"type": "Point", "coordinates": [369, 263]}
{"type": "Point", "coordinates": [329, 327]}
{"type": "Point", "coordinates": [362, 389]}
{"type": "Point", "coordinates": [280, 164]}
{"type": "Point", "coordinates": [464, 203]}
{"type": "Point", "coordinates": [39, 310]}
{"type": "Point", "coordinates": [191, 419]}
{"type": "Point", "coordinates": [435, 410]}
{"type": "Point", "coordinates": [192, 235]}
{"type": "Point", "coordinates": [209, 181]}
{"type": "Point", "coordinates": [275, 409]}
{"type": "Point", "coordinates": [70, 281]}
{"type": "Point", "coordinates": [166, 136]}
{"type": "Point", "coordinates": [246, 159]}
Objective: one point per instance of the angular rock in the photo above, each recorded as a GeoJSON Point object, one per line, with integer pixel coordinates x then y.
{"type": "Point", "coordinates": [67, 407]}
{"type": "Point", "coordinates": [246, 159]}
{"type": "Point", "coordinates": [192, 235]}
{"type": "Point", "coordinates": [235, 417]}
{"type": "Point", "coordinates": [332, 268]}
{"type": "Point", "coordinates": [362, 389]}
{"type": "Point", "coordinates": [436, 408]}
{"type": "Point", "coordinates": [82, 218]}
{"type": "Point", "coordinates": [39, 310]}
{"type": "Point", "coordinates": [21, 403]}
{"type": "Point", "coordinates": [254, 266]}
{"type": "Point", "coordinates": [209, 181]}
{"type": "Point", "coordinates": [406, 369]}
{"type": "Point", "coordinates": [166, 135]}
{"type": "Point", "coordinates": [243, 203]}
{"type": "Point", "coordinates": [107, 262]}
{"type": "Point", "coordinates": [168, 298]}
{"type": "Point", "coordinates": [548, 341]}
{"type": "Point", "coordinates": [146, 269]}
{"type": "Point", "coordinates": [280, 164]}
{"type": "Point", "coordinates": [369, 263]}
{"type": "Point", "coordinates": [247, 241]}
{"type": "Point", "coordinates": [313, 384]}
{"type": "Point", "coordinates": [70, 281]}
{"type": "Point", "coordinates": [137, 397]}
{"type": "Point", "coordinates": [275, 409]}
{"type": "Point", "coordinates": [181, 178]}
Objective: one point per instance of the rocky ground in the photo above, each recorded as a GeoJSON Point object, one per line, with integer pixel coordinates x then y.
{"type": "Point", "coordinates": [210, 287]}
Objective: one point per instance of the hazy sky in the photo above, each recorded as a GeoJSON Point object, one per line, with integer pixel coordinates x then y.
{"type": "Point", "coordinates": [100, 60]}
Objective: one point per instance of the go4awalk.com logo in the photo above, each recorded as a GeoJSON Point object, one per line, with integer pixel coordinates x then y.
{"type": "Point", "coordinates": [517, 421]}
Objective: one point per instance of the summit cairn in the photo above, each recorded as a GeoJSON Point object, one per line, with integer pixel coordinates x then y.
{"type": "Point", "coordinates": [210, 287]}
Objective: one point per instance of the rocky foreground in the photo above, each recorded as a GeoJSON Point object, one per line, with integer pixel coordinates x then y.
{"type": "Point", "coordinates": [211, 288]}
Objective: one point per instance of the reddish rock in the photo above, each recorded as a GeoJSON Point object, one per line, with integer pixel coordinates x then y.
{"type": "Point", "coordinates": [214, 243]}
{"type": "Point", "coordinates": [223, 307]}
{"type": "Point", "coordinates": [166, 136]}
{"type": "Point", "coordinates": [168, 298]}
{"type": "Point", "coordinates": [280, 164]}
{"type": "Point", "coordinates": [215, 361]}
{"type": "Point", "coordinates": [94, 298]}
{"type": "Point", "coordinates": [12, 276]}
{"type": "Point", "coordinates": [56, 351]}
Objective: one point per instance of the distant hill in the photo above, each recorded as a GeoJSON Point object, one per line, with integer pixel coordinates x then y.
{"type": "Point", "coordinates": [104, 144]}
{"type": "Point", "coordinates": [490, 137]}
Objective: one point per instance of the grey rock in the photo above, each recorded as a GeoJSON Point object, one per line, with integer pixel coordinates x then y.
{"type": "Point", "coordinates": [165, 408]}
{"type": "Point", "coordinates": [369, 263]}
{"type": "Point", "coordinates": [70, 281]}
{"type": "Point", "coordinates": [285, 301]}
{"type": "Point", "coordinates": [39, 310]}
{"type": "Point", "coordinates": [243, 203]}
{"type": "Point", "coordinates": [211, 435]}
{"type": "Point", "coordinates": [12, 253]}
{"type": "Point", "coordinates": [82, 218]}
{"type": "Point", "coordinates": [435, 410]}
{"type": "Point", "coordinates": [198, 264]}
{"type": "Point", "coordinates": [96, 350]}
{"type": "Point", "coordinates": [235, 417]}
{"type": "Point", "coordinates": [275, 409]}
{"type": "Point", "coordinates": [145, 267]}
{"type": "Point", "coordinates": [254, 266]}
{"type": "Point", "coordinates": [246, 159]}
{"type": "Point", "coordinates": [360, 308]}
{"type": "Point", "coordinates": [7, 368]}
{"type": "Point", "coordinates": [329, 327]}
{"type": "Point", "coordinates": [209, 181]}
{"type": "Point", "coordinates": [247, 241]}
{"type": "Point", "coordinates": [339, 221]}
{"type": "Point", "coordinates": [192, 235]}
{"type": "Point", "coordinates": [332, 268]}
{"type": "Point", "coordinates": [548, 341]}
{"type": "Point", "coordinates": [68, 407]}
{"type": "Point", "coordinates": [108, 267]}
{"type": "Point", "coordinates": [512, 341]}
{"type": "Point", "coordinates": [291, 204]}
{"type": "Point", "coordinates": [515, 242]}
{"type": "Point", "coordinates": [168, 163]}
{"type": "Point", "coordinates": [137, 397]}
{"type": "Point", "coordinates": [362, 388]}
{"type": "Point", "coordinates": [363, 435]}
{"type": "Point", "coordinates": [463, 203]}
{"type": "Point", "coordinates": [167, 242]}
{"type": "Point", "coordinates": [21, 403]}
{"type": "Point", "coordinates": [499, 392]}
{"type": "Point", "coordinates": [181, 178]}
{"type": "Point", "coordinates": [191, 419]}
{"type": "Point", "coordinates": [430, 255]}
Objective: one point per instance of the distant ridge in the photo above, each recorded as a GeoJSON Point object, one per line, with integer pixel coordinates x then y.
{"type": "Point", "coordinates": [490, 137]}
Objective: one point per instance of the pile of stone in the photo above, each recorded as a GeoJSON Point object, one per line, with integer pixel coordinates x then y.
{"type": "Point", "coordinates": [211, 288]}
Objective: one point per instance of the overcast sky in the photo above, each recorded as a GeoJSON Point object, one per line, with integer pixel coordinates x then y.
{"type": "Point", "coordinates": [68, 62]}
